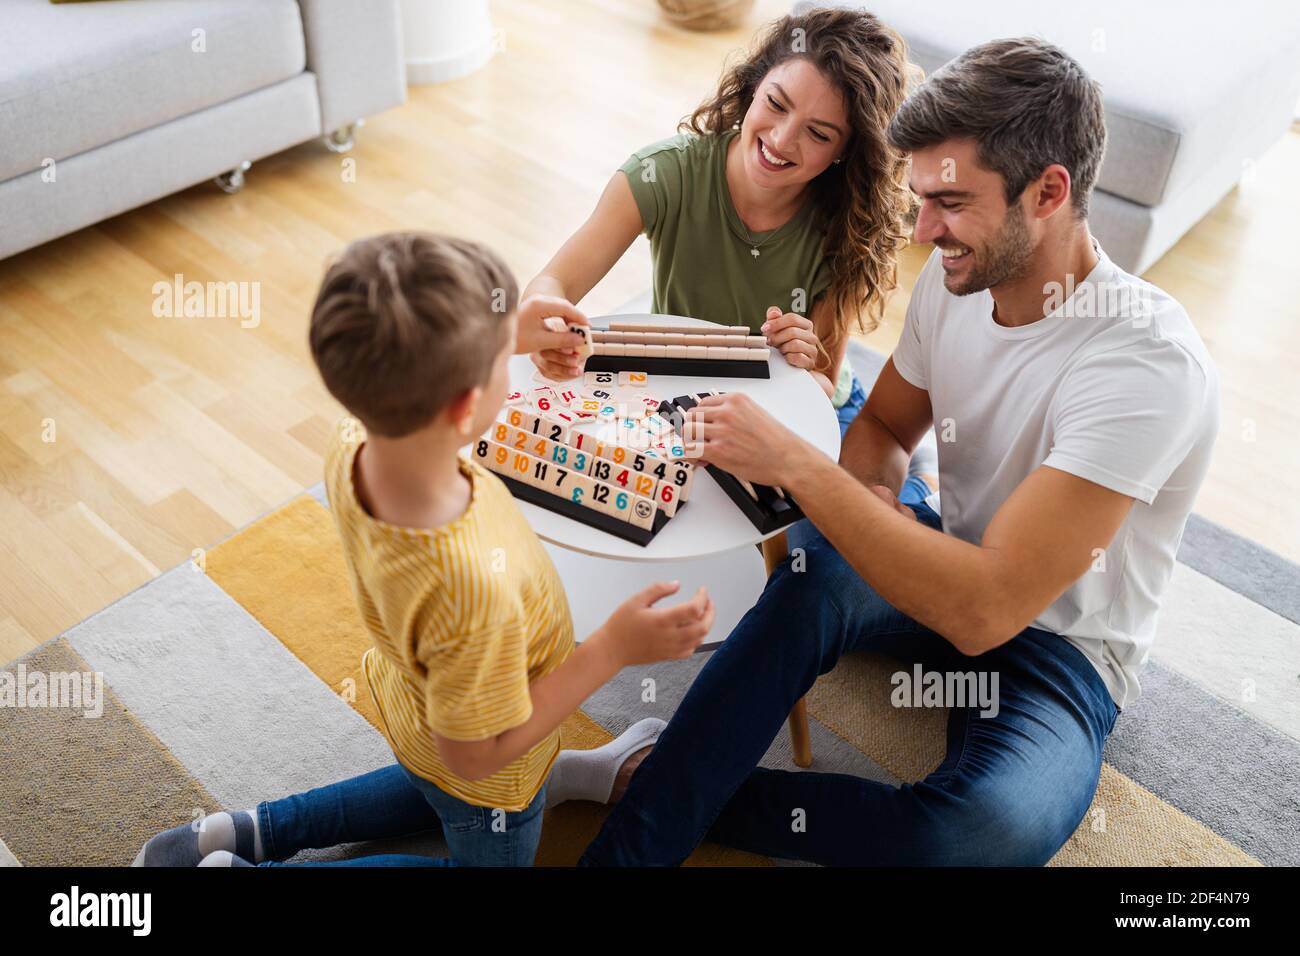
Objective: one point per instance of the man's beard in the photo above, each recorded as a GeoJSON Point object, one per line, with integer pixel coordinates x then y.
{"type": "Point", "coordinates": [1005, 258]}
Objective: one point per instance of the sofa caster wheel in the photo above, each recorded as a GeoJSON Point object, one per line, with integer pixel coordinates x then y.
{"type": "Point", "coordinates": [233, 180]}
{"type": "Point", "coordinates": [344, 138]}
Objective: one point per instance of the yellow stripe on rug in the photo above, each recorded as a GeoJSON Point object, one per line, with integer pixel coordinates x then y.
{"type": "Point", "coordinates": [1126, 825]}
{"type": "Point", "coordinates": [287, 571]}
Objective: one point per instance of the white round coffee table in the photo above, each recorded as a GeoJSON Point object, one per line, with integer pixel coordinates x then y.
{"type": "Point", "coordinates": [709, 523]}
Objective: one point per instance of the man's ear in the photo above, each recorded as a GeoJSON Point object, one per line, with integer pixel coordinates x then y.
{"type": "Point", "coordinates": [462, 410]}
{"type": "Point", "coordinates": [1051, 191]}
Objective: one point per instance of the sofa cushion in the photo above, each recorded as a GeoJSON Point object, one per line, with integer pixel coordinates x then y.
{"type": "Point", "coordinates": [137, 169]}
{"type": "Point", "coordinates": [1183, 81]}
{"type": "Point", "coordinates": [77, 76]}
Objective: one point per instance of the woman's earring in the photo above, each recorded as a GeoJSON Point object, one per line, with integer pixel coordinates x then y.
{"type": "Point", "coordinates": [840, 160]}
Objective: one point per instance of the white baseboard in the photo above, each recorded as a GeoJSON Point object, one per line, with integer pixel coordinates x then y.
{"type": "Point", "coordinates": [421, 70]}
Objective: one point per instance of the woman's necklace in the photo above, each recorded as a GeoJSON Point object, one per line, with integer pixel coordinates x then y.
{"type": "Point", "coordinates": [755, 245]}
{"type": "Point", "coordinates": [749, 239]}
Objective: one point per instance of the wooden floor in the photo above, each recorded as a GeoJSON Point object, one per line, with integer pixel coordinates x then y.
{"type": "Point", "coordinates": [129, 442]}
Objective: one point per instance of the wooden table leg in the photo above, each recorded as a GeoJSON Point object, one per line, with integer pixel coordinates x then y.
{"type": "Point", "coordinates": [800, 741]}
{"type": "Point", "coordinates": [775, 550]}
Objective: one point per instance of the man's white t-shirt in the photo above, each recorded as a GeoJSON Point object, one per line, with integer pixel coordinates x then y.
{"type": "Point", "coordinates": [1114, 386]}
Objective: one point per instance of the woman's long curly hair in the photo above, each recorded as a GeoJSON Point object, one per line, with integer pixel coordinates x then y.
{"type": "Point", "coordinates": [863, 201]}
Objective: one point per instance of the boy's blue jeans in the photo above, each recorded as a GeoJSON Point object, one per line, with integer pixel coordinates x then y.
{"type": "Point", "coordinates": [394, 802]}
{"type": "Point", "coordinates": [1011, 790]}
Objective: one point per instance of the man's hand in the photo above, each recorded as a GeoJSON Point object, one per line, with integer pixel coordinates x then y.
{"type": "Point", "coordinates": [733, 432]}
{"type": "Point", "coordinates": [554, 352]}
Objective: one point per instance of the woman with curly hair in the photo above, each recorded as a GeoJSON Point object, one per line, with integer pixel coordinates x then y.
{"type": "Point", "coordinates": [780, 204]}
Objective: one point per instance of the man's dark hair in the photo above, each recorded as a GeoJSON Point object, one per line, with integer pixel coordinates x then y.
{"type": "Point", "coordinates": [1026, 103]}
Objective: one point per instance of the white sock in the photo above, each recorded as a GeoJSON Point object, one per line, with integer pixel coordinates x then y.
{"type": "Point", "coordinates": [236, 832]}
{"type": "Point", "coordinates": [589, 774]}
{"type": "Point", "coordinates": [257, 856]}
{"type": "Point", "coordinates": [216, 832]}
{"type": "Point", "coordinates": [223, 858]}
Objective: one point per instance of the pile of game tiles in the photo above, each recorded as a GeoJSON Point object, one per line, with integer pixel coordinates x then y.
{"type": "Point", "coordinates": [598, 444]}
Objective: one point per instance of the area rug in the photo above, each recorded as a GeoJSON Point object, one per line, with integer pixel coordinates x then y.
{"type": "Point", "coordinates": [235, 678]}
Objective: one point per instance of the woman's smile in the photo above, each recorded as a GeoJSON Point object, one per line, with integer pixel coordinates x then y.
{"type": "Point", "coordinates": [770, 159]}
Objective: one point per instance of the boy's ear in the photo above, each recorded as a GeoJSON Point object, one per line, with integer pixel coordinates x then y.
{"type": "Point", "coordinates": [463, 409]}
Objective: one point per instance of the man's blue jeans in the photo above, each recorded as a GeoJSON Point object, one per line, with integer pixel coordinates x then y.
{"type": "Point", "coordinates": [1011, 790]}
{"type": "Point", "coordinates": [394, 802]}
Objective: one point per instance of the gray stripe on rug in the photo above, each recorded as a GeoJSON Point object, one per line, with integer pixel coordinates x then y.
{"type": "Point", "coordinates": [235, 706]}
{"type": "Point", "coordinates": [1237, 776]}
{"type": "Point", "coordinates": [7, 858]}
{"type": "Point", "coordinates": [1249, 568]}
{"type": "Point", "coordinates": [1244, 654]}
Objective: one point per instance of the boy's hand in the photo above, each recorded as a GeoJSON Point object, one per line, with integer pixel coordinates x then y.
{"type": "Point", "coordinates": [640, 633]}
{"type": "Point", "coordinates": [554, 352]}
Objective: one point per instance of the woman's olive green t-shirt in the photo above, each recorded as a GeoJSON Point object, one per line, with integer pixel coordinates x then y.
{"type": "Point", "coordinates": [704, 258]}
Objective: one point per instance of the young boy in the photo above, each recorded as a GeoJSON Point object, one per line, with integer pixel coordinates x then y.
{"type": "Point", "coordinates": [474, 665]}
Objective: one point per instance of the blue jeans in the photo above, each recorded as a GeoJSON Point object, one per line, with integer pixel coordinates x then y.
{"type": "Point", "coordinates": [1011, 790]}
{"type": "Point", "coordinates": [394, 802]}
{"type": "Point", "coordinates": [852, 405]}
{"type": "Point", "coordinates": [914, 489]}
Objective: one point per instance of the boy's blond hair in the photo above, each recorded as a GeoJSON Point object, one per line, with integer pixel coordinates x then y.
{"type": "Point", "coordinates": [406, 321]}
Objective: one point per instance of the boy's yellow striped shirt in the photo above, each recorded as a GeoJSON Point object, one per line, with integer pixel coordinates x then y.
{"type": "Point", "coordinates": [464, 618]}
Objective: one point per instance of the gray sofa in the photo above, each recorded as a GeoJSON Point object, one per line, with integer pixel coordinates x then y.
{"type": "Point", "coordinates": [1195, 90]}
{"type": "Point", "coordinates": [106, 106]}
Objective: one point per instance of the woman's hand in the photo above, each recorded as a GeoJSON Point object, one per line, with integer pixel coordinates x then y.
{"type": "Point", "coordinates": [554, 352]}
{"type": "Point", "coordinates": [793, 335]}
